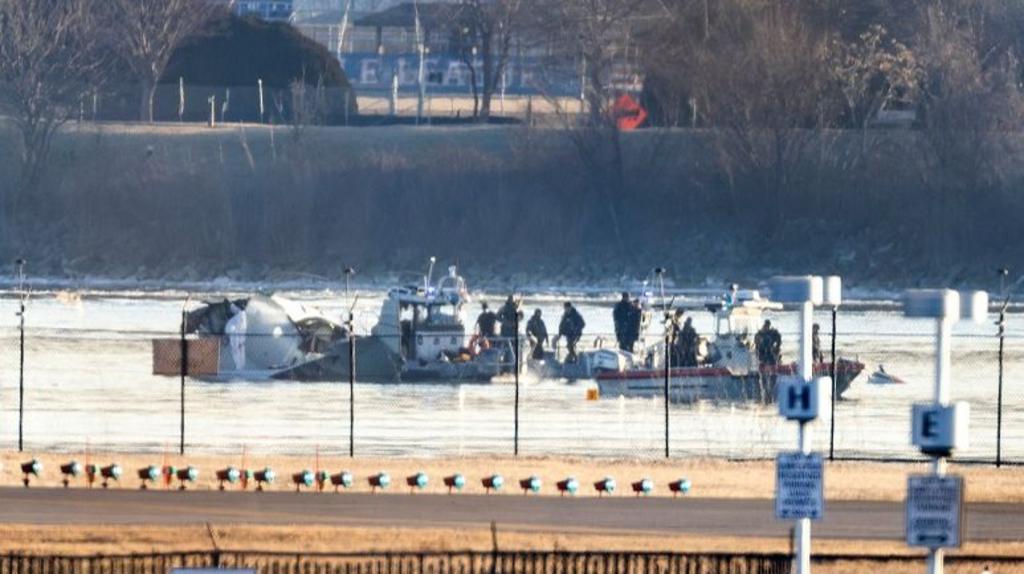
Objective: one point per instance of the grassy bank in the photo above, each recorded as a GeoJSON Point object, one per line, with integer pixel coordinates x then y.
{"type": "Point", "coordinates": [511, 204]}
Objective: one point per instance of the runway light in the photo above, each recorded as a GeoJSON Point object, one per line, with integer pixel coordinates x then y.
{"type": "Point", "coordinates": [91, 472]}
{"type": "Point", "coordinates": [168, 473]}
{"type": "Point", "coordinates": [110, 472]}
{"type": "Point", "coordinates": [380, 480]}
{"type": "Point", "coordinates": [342, 480]}
{"type": "Point", "coordinates": [455, 482]}
{"type": "Point", "coordinates": [605, 486]}
{"type": "Point", "coordinates": [321, 477]}
{"type": "Point", "coordinates": [681, 486]}
{"type": "Point", "coordinates": [70, 470]}
{"type": "Point", "coordinates": [493, 482]}
{"type": "Point", "coordinates": [247, 475]}
{"type": "Point", "coordinates": [417, 481]}
{"type": "Point", "coordinates": [644, 486]}
{"type": "Point", "coordinates": [568, 486]}
{"type": "Point", "coordinates": [31, 468]}
{"type": "Point", "coordinates": [302, 478]}
{"type": "Point", "coordinates": [148, 474]}
{"type": "Point", "coordinates": [530, 484]}
{"type": "Point", "coordinates": [186, 475]}
{"type": "Point", "coordinates": [265, 476]}
{"type": "Point", "coordinates": [229, 475]}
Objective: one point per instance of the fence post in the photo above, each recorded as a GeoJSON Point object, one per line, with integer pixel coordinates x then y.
{"type": "Point", "coordinates": [21, 353]}
{"type": "Point", "coordinates": [515, 350]}
{"type": "Point", "coordinates": [832, 421]}
{"type": "Point", "coordinates": [184, 373]}
{"type": "Point", "coordinates": [351, 385]}
{"type": "Point", "coordinates": [668, 367]}
{"type": "Point", "coordinates": [999, 399]}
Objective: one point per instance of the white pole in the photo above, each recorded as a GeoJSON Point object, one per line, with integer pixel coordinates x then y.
{"type": "Point", "coordinates": [260, 82]}
{"type": "Point", "coordinates": [942, 360]}
{"type": "Point", "coordinates": [943, 364]}
{"type": "Point", "coordinates": [806, 366]}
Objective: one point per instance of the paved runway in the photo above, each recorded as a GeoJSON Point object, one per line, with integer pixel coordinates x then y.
{"type": "Point", "coordinates": [725, 517]}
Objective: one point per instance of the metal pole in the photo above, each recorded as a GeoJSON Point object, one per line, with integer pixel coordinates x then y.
{"type": "Point", "coordinates": [21, 375]}
{"type": "Point", "coordinates": [668, 367]}
{"type": "Point", "coordinates": [832, 422]}
{"type": "Point", "coordinates": [943, 353]}
{"type": "Point", "coordinates": [806, 366]}
{"type": "Point", "coordinates": [184, 374]}
{"type": "Point", "coordinates": [351, 385]}
{"type": "Point", "coordinates": [515, 348]}
{"type": "Point", "coordinates": [999, 400]}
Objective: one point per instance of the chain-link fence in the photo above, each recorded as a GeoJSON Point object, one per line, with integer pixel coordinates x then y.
{"type": "Point", "coordinates": [93, 374]}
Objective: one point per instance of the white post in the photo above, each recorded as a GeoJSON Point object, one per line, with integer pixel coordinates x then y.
{"type": "Point", "coordinates": [806, 366]}
{"type": "Point", "coordinates": [807, 292]}
{"type": "Point", "coordinates": [260, 83]}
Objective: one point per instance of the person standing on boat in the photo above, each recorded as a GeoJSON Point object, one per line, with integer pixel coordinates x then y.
{"type": "Point", "coordinates": [816, 354]}
{"type": "Point", "coordinates": [486, 323]}
{"type": "Point", "coordinates": [621, 317]}
{"type": "Point", "coordinates": [509, 315]}
{"type": "Point", "coordinates": [675, 338]}
{"type": "Point", "coordinates": [688, 344]}
{"type": "Point", "coordinates": [763, 344]}
{"type": "Point", "coordinates": [537, 332]}
{"type": "Point", "coordinates": [571, 327]}
{"type": "Point", "coordinates": [774, 345]}
{"type": "Point", "coordinates": [636, 317]}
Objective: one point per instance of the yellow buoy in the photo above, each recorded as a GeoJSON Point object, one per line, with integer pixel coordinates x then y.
{"type": "Point", "coordinates": [593, 394]}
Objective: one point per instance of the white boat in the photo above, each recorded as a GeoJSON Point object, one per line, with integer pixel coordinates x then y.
{"type": "Point", "coordinates": [728, 369]}
{"type": "Point", "coordinates": [881, 377]}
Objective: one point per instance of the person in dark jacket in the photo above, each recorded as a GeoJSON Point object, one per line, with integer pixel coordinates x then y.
{"type": "Point", "coordinates": [486, 323]}
{"type": "Point", "coordinates": [571, 328]}
{"type": "Point", "coordinates": [688, 344]}
{"type": "Point", "coordinates": [620, 316]}
{"type": "Point", "coordinates": [636, 316]}
{"type": "Point", "coordinates": [537, 332]}
{"type": "Point", "coordinates": [509, 315]}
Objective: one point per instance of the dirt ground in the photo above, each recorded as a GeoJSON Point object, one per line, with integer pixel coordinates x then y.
{"type": "Point", "coordinates": [710, 478]}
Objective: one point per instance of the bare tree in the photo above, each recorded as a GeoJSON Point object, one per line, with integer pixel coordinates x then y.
{"type": "Point", "coordinates": [145, 34]}
{"type": "Point", "coordinates": [48, 62]}
{"type": "Point", "coordinates": [486, 29]}
{"type": "Point", "coordinates": [972, 105]}
{"type": "Point", "coordinates": [764, 88]}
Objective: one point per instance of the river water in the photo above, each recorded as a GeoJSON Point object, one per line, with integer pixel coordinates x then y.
{"type": "Point", "coordinates": [88, 382]}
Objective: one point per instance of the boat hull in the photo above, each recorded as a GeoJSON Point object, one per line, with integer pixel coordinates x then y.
{"type": "Point", "coordinates": [693, 384]}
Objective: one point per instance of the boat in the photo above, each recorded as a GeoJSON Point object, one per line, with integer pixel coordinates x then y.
{"type": "Point", "coordinates": [426, 327]}
{"type": "Point", "coordinates": [728, 369]}
{"type": "Point", "coordinates": [881, 377]}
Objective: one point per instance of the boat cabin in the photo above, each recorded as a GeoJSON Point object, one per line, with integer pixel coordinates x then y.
{"type": "Point", "coordinates": [426, 323]}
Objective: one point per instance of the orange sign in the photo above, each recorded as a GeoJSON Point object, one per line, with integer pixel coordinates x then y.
{"type": "Point", "coordinates": [628, 113]}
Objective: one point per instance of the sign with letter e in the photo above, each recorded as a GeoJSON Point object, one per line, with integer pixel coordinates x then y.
{"type": "Point", "coordinates": [935, 511]}
{"type": "Point", "coordinates": [799, 486]}
{"type": "Point", "coordinates": [938, 430]}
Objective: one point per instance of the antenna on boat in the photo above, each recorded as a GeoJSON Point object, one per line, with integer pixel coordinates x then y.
{"type": "Point", "coordinates": [430, 274]}
{"type": "Point", "coordinates": [660, 272]}
{"type": "Point", "coordinates": [349, 272]}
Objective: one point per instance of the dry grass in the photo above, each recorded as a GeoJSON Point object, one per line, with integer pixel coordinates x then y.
{"type": "Point", "coordinates": [711, 478]}
{"type": "Point", "coordinates": [114, 540]}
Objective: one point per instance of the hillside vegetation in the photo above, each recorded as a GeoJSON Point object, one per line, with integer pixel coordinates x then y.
{"type": "Point", "coordinates": [511, 204]}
